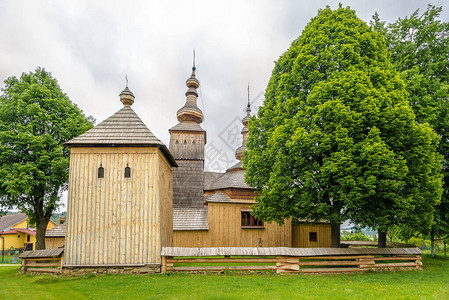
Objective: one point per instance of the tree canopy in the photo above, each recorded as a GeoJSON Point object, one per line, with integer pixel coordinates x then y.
{"type": "Point", "coordinates": [36, 118]}
{"type": "Point", "coordinates": [336, 137]}
{"type": "Point", "coordinates": [419, 47]}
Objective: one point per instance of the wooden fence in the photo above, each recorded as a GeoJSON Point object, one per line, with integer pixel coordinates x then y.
{"type": "Point", "coordinates": [42, 261]}
{"type": "Point", "coordinates": [290, 260]}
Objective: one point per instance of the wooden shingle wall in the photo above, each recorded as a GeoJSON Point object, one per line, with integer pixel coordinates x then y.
{"type": "Point", "coordinates": [188, 182]}
{"type": "Point", "coordinates": [186, 145]}
{"type": "Point", "coordinates": [116, 220]}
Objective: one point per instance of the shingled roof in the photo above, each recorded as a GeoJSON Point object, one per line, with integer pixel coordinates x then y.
{"type": "Point", "coordinates": [190, 219]}
{"type": "Point", "coordinates": [57, 231]}
{"type": "Point", "coordinates": [124, 128]}
{"type": "Point", "coordinates": [218, 197]}
{"type": "Point", "coordinates": [234, 179]}
{"type": "Point", "coordinates": [6, 222]}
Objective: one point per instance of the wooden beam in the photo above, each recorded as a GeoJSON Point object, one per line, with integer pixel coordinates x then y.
{"type": "Point", "coordinates": [394, 265]}
{"type": "Point", "coordinates": [42, 270]}
{"type": "Point", "coordinates": [223, 268]}
{"type": "Point", "coordinates": [41, 259]}
{"type": "Point", "coordinates": [397, 258]}
{"type": "Point", "coordinates": [164, 264]}
{"type": "Point", "coordinates": [329, 263]}
{"type": "Point", "coordinates": [337, 257]}
{"type": "Point", "coordinates": [222, 260]}
{"type": "Point", "coordinates": [43, 265]}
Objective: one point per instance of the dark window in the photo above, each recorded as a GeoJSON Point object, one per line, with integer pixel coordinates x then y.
{"type": "Point", "coordinates": [249, 221]}
{"type": "Point", "coordinates": [28, 246]}
{"type": "Point", "coordinates": [176, 142]}
{"type": "Point", "coordinates": [18, 236]}
{"type": "Point", "coordinates": [193, 142]}
{"type": "Point", "coordinates": [313, 237]}
{"type": "Point", "coordinates": [28, 238]}
{"type": "Point", "coordinates": [185, 142]}
{"type": "Point", "coordinates": [101, 172]}
{"type": "Point", "coordinates": [127, 172]}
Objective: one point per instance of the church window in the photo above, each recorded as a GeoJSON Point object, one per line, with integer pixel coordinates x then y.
{"type": "Point", "coordinates": [101, 172]}
{"type": "Point", "coordinates": [193, 142]}
{"type": "Point", "coordinates": [176, 142]}
{"type": "Point", "coordinates": [127, 171]}
{"type": "Point", "coordinates": [313, 237]}
{"type": "Point", "coordinates": [248, 221]}
{"type": "Point", "coordinates": [185, 142]}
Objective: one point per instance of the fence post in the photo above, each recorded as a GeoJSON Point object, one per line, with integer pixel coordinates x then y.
{"type": "Point", "coordinates": [24, 266]}
{"type": "Point", "coordinates": [366, 262]}
{"type": "Point", "coordinates": [164, 264]}
{"type": "Point", "coordinates": [286, 264]}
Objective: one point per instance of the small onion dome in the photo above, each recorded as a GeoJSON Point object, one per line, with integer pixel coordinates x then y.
{"type": "Point", "coordinates": [127, 97]}
{"type": "Point", "coordinates": [239, 152]}
{"type": "Point", "coordinates": [61, 219]}
{"type": "Point", "coordinates": [190, 112]}
{"type": "Point", "coordinates": [242, 148]}
{"type": "Point", "coordinates": [245, 120]}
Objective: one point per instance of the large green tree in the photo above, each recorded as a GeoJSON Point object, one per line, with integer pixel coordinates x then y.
{"type": "Point", "coordinates": [36, 118]}
{"type": "Point", "coordinates": [336, 138]}
{"type": "Point", "coordinates": [419, 47]}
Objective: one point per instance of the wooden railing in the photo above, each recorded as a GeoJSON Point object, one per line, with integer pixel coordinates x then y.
{"type": "Point", "coordinates": [340, 264]}
{"type": "Point", "coordinates": [42, 261]}
{"type": "Point", "coordinates": [42, 265]}
{"type": "Point", "coordinates": [290, 260]}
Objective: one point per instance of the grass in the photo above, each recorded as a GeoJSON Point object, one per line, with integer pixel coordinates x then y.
{"type": "Point", "coordinates": [432, 283]}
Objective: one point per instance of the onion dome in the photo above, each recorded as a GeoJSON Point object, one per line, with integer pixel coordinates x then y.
{"type": "Point", "coordinates": [190, 113]}
{"type": "Point", "coordinates": [242, 148]}
{"type": "Point", "coordinates": [127, 97]}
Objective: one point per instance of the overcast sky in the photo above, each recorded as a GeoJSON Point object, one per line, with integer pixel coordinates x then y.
{"type": "Point", "coordinates": [89, 46]}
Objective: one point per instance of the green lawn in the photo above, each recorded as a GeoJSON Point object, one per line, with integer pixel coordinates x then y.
{"type": "Point", "coordinates": [432, 283]}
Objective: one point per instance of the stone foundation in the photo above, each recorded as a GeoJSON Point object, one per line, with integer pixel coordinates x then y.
{"type": "Point", "coordinates": [82, 270]}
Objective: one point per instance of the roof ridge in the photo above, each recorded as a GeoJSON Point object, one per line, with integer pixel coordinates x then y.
{"type": "Point", "coordinates": [123, 127]}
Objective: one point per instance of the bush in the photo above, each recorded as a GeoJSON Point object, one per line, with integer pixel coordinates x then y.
{"type": "Point", "coordinates": [359, 236]}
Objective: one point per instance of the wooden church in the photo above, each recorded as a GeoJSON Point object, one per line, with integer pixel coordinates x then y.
{"type": "Point", "coordinates": [129, 195]}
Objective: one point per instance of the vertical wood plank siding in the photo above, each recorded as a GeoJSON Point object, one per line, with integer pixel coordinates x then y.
{"type": "Point", "coordinates": [301, 235]}
{"type": "Point", "coordinates": [225, 231]}
{"type": "Point", "coordinates": [116, 220]}
{"type": "Point", "coordinates": [166, 195]}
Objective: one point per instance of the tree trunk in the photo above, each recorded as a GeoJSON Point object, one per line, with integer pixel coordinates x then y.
{"type": "Point", "coordinates": [382, 239]}
{"type": "Point", "coordinates": [432, 244]}
{"type": "Point", "coordinates": [335, 235]}
{"type": "Point", "coordinates": [40, 233]}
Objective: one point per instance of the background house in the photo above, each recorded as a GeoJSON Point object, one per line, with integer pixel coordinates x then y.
{"type": "Point", "coordinates": [55, 237]}
{"type": "Point", "coordinates": [17, 234]}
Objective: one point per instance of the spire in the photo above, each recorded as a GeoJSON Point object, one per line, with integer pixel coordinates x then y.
{"type": "Point", "coordinates": [126, 96]}
{"type": "Point", "coordinates": [242, 148]}
{"type": "Point", "coordinates": [190, 113]}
